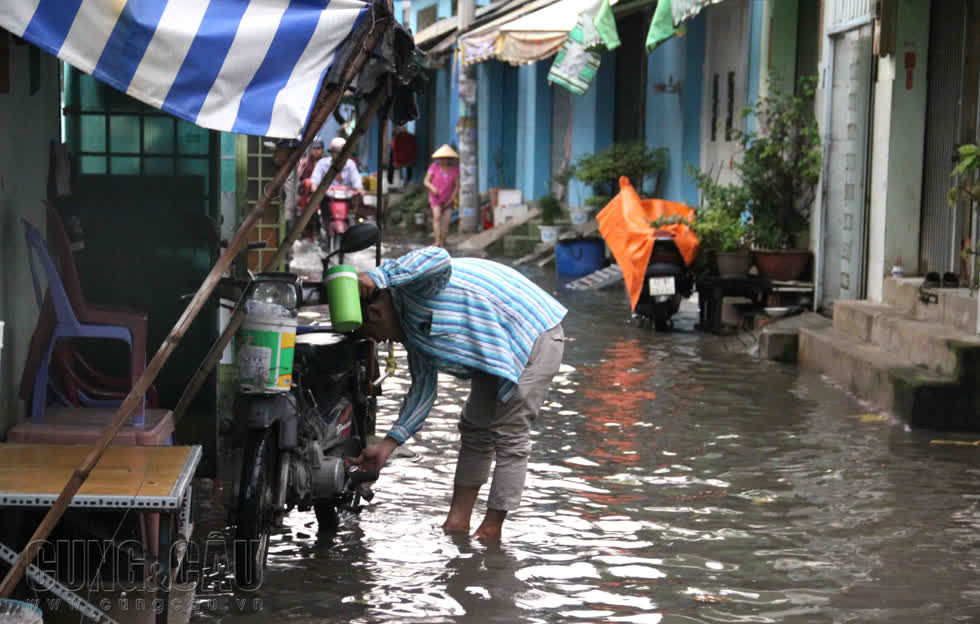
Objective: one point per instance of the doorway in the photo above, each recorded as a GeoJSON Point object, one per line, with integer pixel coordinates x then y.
{"type": "Point", "coordinates": [725, 87]}
{"type": "Point", "coordinates": [951, 120]}
{"type": "Point", "coordinates": [629, 116]}
{"type": "Point", "coordinates": [846, 184]}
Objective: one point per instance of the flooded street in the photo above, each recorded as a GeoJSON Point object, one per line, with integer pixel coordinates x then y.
{"type": "Point", "coordinates": [672, 480]}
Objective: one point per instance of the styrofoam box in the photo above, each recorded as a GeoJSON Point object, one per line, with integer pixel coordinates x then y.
{"type": "Point", "coordinates": [509, 197]}
{"type": "Point", "coordinates": [503, 214]}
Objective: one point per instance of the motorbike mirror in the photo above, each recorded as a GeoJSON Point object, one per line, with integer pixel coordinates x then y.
{"type": "Point", "coordinates": [359, 237]}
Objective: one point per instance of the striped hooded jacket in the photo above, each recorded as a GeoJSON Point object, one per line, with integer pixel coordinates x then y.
{"type": "Point", "coordinates": [461, 316]}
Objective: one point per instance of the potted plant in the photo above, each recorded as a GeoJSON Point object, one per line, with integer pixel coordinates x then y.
{"type": "Point", "coordinates": [550, 208]}
{"type": "Point", "coordinates": [602, 170]}
{"type": "Point", "coordinates": [780, 168]}
{"type": "Point", "coordinates": [778, 174]}
{"type": "Point", "coordinates": [720, 224]}
{"type": "Point", "coordinates": [966, 174]}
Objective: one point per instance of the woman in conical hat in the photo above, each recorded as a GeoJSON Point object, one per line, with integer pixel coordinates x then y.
{"type": "Point", "coordinates": [442, 180]}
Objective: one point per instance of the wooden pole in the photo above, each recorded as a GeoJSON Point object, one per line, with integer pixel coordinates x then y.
{"type": "Point", "coordinates": [238, 316]}
{"type": "Point", "coordinates": [327, 101]}
{"type": "Point", "coordinates": [380, 205]}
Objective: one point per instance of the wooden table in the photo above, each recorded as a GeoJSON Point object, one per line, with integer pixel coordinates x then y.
{"type": "Point", "coordinates": [761, 292]}
{"type": "Point", "coordinates": [154, 479]}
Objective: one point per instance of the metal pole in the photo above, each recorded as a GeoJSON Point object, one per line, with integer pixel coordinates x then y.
{"type": "Point", "coordinates": [379, 209]}
{"type": "Point", "coordinates": [238, 316]}
{"type": "Point", "coordinates": [326, 102]}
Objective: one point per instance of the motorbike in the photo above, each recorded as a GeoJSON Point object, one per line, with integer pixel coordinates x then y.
{"type": "Point", "coordinates": [295, 444]}
{"type": "Point", "coordinates": [338, 199]}
{"type": "Point", "coordinates": [667, 281]}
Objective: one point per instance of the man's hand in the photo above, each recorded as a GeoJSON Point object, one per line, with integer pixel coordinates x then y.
{"type": "Point", "coordinates": [365, 285]}
{"type": "Point", "coordinates": [374, 457]}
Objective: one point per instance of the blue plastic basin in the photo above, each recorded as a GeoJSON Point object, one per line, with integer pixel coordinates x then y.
{"type": "Point", "coordinates": [578, 257]}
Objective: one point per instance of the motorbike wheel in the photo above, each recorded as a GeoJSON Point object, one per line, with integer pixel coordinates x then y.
{"type": "Point", "coordinates": [661, 323]}
{"type": "Point", "coordinates": [256, 506]}
{"type": "Point", "coordinates": [327, 518]}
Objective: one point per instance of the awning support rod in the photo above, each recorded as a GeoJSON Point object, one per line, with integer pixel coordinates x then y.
{"type": "Point", "coordinates": [238, 316]}
{"type": "Point", "coordinates": [327, 101]}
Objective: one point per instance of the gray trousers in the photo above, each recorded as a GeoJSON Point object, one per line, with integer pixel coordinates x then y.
{"type": "Point", "coordinates": [493, 429]}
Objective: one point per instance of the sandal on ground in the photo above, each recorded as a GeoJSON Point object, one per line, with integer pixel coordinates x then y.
{"type": "Point", "coordinates": [931, 281]}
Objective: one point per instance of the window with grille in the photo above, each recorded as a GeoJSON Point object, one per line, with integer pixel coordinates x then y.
{"type": "Point", "coordinates": [112, 133]}
{"type": "Point", "coordinates": [257, 172]}
{"type": "Point", "coordinates": [426, 17]}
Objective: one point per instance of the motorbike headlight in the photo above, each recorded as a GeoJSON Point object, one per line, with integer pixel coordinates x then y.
{"type": "Point", "coordinates": [278, 293]}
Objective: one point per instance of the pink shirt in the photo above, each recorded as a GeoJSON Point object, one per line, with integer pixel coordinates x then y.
{"type": "Point", "coordinates": [444, 179]}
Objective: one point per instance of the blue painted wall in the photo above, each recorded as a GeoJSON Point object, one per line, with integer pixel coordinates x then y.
{"type": "Point", "coordinates": [673, 119]}
{"type": "Point", "coordinates": [756, 10]}
{"type": "Point", "coordinates": [533, 130]}
{"type": "Point", "coordinates": [497, 124]}
{"type": "Point", "coordinates": [691, 98]}
{"type": "Point", "coordinates": [592, 115]}
{"type": "Point", "coordinates": [441, 113]}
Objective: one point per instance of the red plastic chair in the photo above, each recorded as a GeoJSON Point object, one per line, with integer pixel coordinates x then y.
{"type": "Point", "coordinates": [68, 285]}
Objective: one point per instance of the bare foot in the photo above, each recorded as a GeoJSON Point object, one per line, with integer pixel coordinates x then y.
{"type": "Point", "coordinates": [488, 534]}
{"type": "Point", "coordinates": [492, 526]}
{"type": "Point", "coordinates": [452, 525]}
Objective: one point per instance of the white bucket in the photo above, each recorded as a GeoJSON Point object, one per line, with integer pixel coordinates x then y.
{"type": "Point", "coordinates": [549, 233]}
{"type": "Point", "coordinates": [265, 354]}
{"type": "Point", "coordinates": [419, 218]}
{"type": "Point", "coordinates": [579, 217]}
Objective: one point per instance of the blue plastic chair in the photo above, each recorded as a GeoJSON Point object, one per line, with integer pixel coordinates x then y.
{"type": "Point", "coordinates": [67, 324]}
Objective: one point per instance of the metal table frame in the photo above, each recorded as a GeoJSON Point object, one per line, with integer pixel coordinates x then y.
{"type": "Point", "coordinates": [175, 521]}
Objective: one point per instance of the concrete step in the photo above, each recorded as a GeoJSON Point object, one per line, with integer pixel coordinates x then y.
{"type": "Point", "coordinates": [517, 246]}
{"type": "Point", "coordinates": [857, 318]}
{"type": "Point", "coordinates": [861, 367]}
{"type": "Point", "coordinates": [923, 343]}
{"type": "Point", "coordinates": [954, 306]}
{"type": "Point", "coordinates": [936, 346]}
{"type": "Point", "coordinates": [918, 396]}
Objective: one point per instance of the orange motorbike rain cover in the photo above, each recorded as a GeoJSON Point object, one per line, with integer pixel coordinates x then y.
{"type": "Point", "coordinates": [626, 223]}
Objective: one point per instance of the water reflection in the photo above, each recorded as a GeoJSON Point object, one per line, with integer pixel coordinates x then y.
{"type": "Point", "coordinates": [672, 480]}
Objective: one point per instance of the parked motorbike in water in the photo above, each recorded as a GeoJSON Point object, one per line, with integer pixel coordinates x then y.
{"type": "Point", "coordinates": [668, 280]}
{"type": "Point", "coordinates": [298, 428]}
{"type": "Point", "coordinates": [654, 245]}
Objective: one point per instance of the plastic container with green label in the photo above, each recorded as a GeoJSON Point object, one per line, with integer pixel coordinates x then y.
{"type": "Point", "coordinates": [267, 339]}
{"type": "Point", "coordinates": [344, 298]}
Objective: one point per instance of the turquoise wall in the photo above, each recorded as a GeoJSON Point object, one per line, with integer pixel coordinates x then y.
{"type": "Point", "coordinates": [691, 98]}
{"type": "Point", "coordinates": [673, 118]}
{"type": "Point", "coordinates": [534, 130]}
{"type": "Point", "coordinates": [497, 124]}
{"type": "Point", "coordinates": [592, 114]}
{"type": "Point", "coordinates": [756, 13]}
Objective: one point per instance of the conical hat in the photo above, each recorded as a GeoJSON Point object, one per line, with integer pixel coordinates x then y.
{"type": "Point", "coordinates": [445, 152]}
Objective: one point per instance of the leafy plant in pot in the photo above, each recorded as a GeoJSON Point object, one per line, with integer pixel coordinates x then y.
{"type": "Point", "coordinates": [720, 226]}
{"type": "Point", "coordinates": [550, 208]}
{"type": "Point", "coordinates": [779, 169]}
{"type": "Point", "coordinates": [602, 170]}
{"type": "Point", "coordinates": [966, 187]}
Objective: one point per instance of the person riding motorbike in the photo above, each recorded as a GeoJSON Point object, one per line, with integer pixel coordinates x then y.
{"type": "Point", "coordinates": [479, 320]}
{"type": "Point", "coordinates": [304, 171]}
{"type": "Point", "coordinates": [349, 176]}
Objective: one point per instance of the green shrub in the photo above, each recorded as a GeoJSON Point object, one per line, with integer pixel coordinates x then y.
{"type": "Point", "coordinates": [414, 199]}
{"type": "Point", "coordinates": [550, 209]}
{"type": "Point", "coordinates": [602, 170]}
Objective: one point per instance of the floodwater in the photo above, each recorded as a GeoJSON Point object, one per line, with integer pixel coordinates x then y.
{"type": "Point", "coordinates": [674, 478]}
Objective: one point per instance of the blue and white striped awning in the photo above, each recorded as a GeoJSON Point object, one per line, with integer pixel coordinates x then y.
{"type": "Point", "coordinates": [245, 66]}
